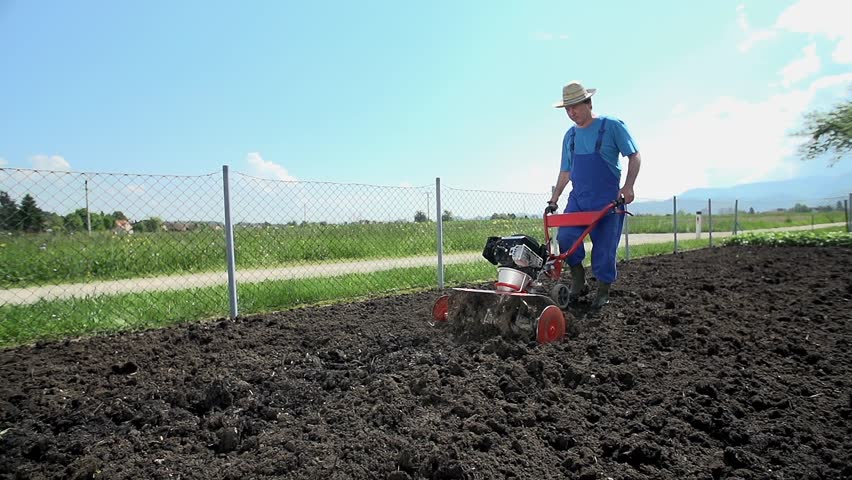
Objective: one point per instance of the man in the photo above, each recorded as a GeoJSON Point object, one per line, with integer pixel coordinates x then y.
{"type": "Point", "coordinates": [590, 161]}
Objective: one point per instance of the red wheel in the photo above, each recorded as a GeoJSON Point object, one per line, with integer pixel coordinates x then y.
{"type": "Point", "coordinates": [551, 325]}
{"type": "Point", "coordinates": [441, 309]}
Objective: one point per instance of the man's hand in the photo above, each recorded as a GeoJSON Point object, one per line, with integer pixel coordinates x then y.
{"type": "Point", "coordinates": [627, 193]}
{"type": "Point", "coordinates": [551, 207]}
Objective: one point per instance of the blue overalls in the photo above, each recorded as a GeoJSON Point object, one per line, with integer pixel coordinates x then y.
{"type": "Point", "coordinates": [594, 186]}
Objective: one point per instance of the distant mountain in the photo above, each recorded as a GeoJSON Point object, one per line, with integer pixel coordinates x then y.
{"type": "Point", "coordinates": [761, 196]}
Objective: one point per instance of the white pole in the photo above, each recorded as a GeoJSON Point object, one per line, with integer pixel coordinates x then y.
{"type": "Point", "coordinates": [698, 225]}
{"type": "Point", "coordinates": [554, 241]}
{"type": "Point", "coordinates": [440, 232]}
{"type": "Point", "coordinates": [229, 246]}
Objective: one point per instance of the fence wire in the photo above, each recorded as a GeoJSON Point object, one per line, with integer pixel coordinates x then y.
{"type": "Point", "coordinates": [91, 252]}
{"type": "Point", "coordinates": [351, 239]}
{"type": "Point", "coordinates": [471, 216]}
{"type": "Point", "coordinates": [87, 252]}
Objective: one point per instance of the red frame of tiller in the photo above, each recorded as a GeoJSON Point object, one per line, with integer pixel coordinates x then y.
{"type": "Point", "coordinates": [575, 219]}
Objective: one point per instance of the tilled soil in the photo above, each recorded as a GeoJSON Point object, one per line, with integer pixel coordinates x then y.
{"type": "Point", "coordinates": [731, 362]}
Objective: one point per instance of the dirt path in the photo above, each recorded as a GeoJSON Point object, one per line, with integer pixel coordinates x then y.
{"type": "Point", "coordinates": [22, 296]}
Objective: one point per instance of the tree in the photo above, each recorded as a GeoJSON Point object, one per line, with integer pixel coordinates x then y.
{"type": "Point", "coordinates": [153, 224]}
{"type": "Point", "coordinates": [800, 208]}
{"type": "Point", "coordinates": [54, 221]}
{"type": "Point", "coordinates": [828, 132]}
{"type": "Point", "coordinates": [420, 217]}
{"type": "Point", "coordinates": [447, 216]}
{"type": "Point", "coordinates": [31, 217]}
{"type": "Point", "coordinates": [73, 223]}
{"type": "Point", "coordinates": [8, 212]}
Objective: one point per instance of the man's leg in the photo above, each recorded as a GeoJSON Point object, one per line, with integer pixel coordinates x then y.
{"type": "Point", "coordinates": [605, 238]}
{"type": "Point", "coordinates": [566, 237]}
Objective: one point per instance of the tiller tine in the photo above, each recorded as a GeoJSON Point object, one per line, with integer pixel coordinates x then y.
{"type": "Point", "coordinates": [472, 313]}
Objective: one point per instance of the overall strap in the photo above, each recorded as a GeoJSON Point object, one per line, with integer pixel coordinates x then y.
{"type": "Point", "coordinates": [571, 141]}
{"type": "Point", "coordinates": [600, 136]}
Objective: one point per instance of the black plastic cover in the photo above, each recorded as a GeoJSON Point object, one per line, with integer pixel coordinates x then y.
{"type": "Point", "coordinates": [497, 249]}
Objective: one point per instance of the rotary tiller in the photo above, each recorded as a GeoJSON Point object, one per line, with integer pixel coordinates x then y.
{"type": "Point", "coordinates": [521, 305]}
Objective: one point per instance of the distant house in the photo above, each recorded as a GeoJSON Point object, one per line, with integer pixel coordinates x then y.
{"type": "Point", "coordinates": [177, 226]}
{"type": "Point", "coordinates": [122, 226]}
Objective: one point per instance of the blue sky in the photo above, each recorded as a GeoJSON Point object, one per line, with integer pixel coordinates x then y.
{"type": "Point", "coordinates": [398, 93]}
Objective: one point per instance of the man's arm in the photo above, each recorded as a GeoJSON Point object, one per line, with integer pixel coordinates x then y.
{"type": "Point", "coordinates": [561, 182]}
{"type": "Point", "coordinates": [634, 162]}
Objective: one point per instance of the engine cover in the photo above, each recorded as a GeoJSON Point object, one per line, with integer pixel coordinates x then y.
{"type": "Point", "coordinates": [515, 251]}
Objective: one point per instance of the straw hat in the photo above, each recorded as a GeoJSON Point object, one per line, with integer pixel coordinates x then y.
{"type": "Point", "coordinates": [574, 93]}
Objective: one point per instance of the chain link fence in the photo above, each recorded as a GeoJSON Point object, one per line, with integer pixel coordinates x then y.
{"type": "Point", "coordinates": [306, 242]}
{"type": "Point", "coordinates": [93, 252]}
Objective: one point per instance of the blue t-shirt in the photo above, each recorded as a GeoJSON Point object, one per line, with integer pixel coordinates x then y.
{"type": "Point", "coordinates": [616, 140]}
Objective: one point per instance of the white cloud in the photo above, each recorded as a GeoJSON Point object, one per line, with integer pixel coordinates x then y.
{"type": "Point", "coordinates": [678, 109]}
{"type": "Point", "coordinates": [832, 81]}
{"type": "Point", "coordinates": [2, 162]}
{"type": "Point", "coordinates": [753, 37]}
{"type": "Point", "coordinates": [548, 36]}
{"type": "Point", "coordinates": [828, 18]}
{"type": "Point", "coordinates": [50, 162]}
{"type": "Point", "coordinates": [742, 21]}
{"type": "Point", "coordinates": [728, 141]}
{"type": "Point", "coordinates": [801, 68]}
{"type": "Point", "coordinates": [267, 169]}
{"type": "Point", "coordinates": [843, 51]}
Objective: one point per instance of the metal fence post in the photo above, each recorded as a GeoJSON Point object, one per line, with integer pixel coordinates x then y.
{"type": "Point", "coordinates": [88, 213]}
{"type": "Point", "coordinates": [674, 211]}
{"type": "Point", "coordinates": [229, 245]}
{"type": "Point", "coordinates": [848, 216]}
{"type": "Point", "coordinates": [440, 232]}
{"type": "Point", "coordinates": [710, 220]}
{"type": "Point", "coordinates": [736, 215]}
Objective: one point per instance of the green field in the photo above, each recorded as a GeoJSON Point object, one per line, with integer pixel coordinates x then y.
{"type": "Point", "coordinates": [46, 320]}
{"type": "Point", "coordinates": [48, 259]}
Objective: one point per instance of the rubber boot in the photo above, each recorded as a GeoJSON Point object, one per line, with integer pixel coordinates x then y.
{"type": "Point", "coordinates": [579, 287]}
{"type": "Point", "coordinates": [602, 295]}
